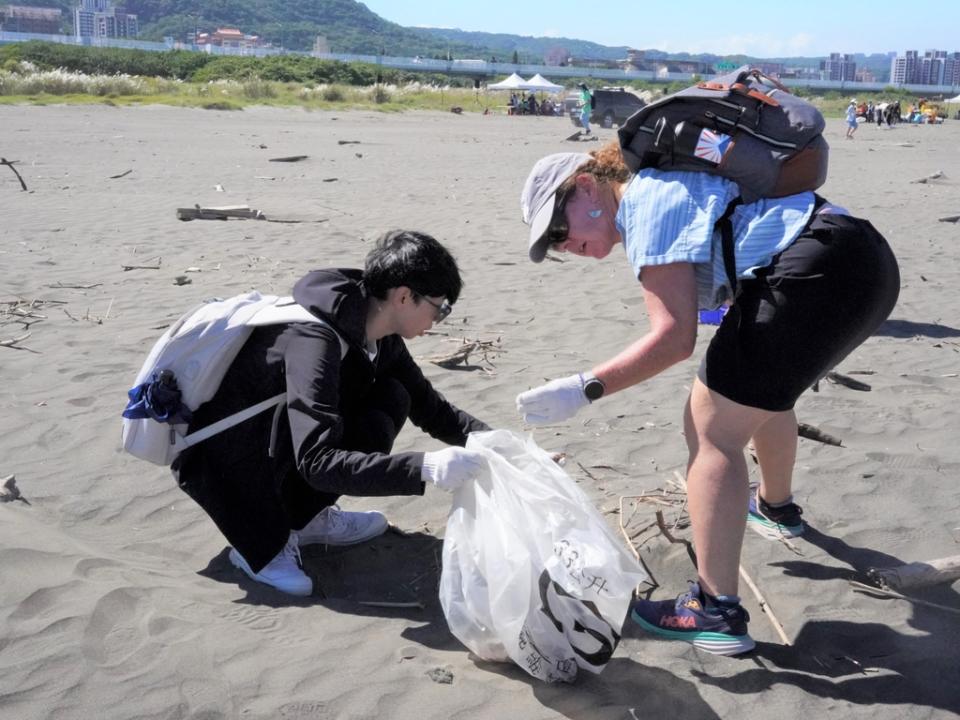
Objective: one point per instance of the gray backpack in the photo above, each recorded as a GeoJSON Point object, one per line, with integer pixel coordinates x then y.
{"type": "Point", "coordinates": [743, 126]}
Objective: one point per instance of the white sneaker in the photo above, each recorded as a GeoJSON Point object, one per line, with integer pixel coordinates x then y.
{"type": "Point", "coordinates": [333, 526]}
{"type": "Point", "coordinates": [283, 572]}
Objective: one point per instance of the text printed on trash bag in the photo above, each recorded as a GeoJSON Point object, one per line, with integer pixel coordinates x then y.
{"type": "Point", "coordinates": [591, 637]}
{"type": "Point", "coordinates": [573, 564]}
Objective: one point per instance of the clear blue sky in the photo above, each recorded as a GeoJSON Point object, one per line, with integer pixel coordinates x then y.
{"type": "Point", "coordinates": [775, 28]}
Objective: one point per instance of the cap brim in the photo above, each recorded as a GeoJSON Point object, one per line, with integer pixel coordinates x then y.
{"type": "Point", "coordinates": [539, 242]}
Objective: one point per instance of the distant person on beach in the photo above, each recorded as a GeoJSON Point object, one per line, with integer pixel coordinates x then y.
{"type": "Point", "coordinates": [271, 483]}
{"type": "Point", "coordinates": [812, 284]}
{"type": "Point", "coordinates": [851, 119]}
{"type": "Point", "coordinates": [586, 105]}
{"type": "Point", "coordinates": [893, 113]}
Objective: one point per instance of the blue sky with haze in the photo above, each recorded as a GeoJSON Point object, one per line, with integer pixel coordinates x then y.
{"type": "Point", "coordinates": [770, 29]}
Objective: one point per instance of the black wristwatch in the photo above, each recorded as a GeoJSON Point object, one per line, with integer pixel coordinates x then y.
{"type": "Point", "coordinates": [593, 387]}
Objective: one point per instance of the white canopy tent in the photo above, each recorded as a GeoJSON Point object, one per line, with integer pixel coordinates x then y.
{"type": "Point", "coordinates": [514, 82]}
{"type": "Point", "coordinates": [538, 82]}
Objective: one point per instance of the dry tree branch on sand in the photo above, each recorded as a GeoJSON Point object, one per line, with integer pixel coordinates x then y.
{"type": "Point", "coordinates": [10, 164]}
{"type": "Point", "coordinates": [460, 357]}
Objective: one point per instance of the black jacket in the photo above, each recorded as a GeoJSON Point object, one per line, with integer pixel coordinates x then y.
{"type": "Point", "coordinates": [305, 360]}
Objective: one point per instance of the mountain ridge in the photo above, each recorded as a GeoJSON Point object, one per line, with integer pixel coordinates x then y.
{"type": "Point", "coordinates": [350, 27]}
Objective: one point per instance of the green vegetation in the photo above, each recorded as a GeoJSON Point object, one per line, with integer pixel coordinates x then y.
{"type": "Point", "coordinates": [222, 83]}
{"type": "Point", "coordinates": [50, 72]}
{"type": "Point", "coordinates": [200, 67]}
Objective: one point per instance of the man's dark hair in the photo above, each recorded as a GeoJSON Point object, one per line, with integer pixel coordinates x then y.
{"type": "Point", "coordinates": [415, 260]}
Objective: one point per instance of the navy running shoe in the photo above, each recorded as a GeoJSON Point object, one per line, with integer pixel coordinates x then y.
{"type": "Point", "coordinates": [774, 523]}
{"type": "Point", "coordinates": [719, 628]}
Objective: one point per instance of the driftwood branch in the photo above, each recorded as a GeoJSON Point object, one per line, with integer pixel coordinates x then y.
{"type": "Point", "coordinates": [846, 381]}
{"type": "Point", "coordinates": [938, 175]}
{"type": "Point", "coordinates": [765, 606]}
{"type": "Point", "coordinates": [881, 592]}
{"type": "Point", "coordinates": [917, 574]}
{"type": "Point", "coordinates": [14, 343]}
{"type": "Point", "coordinates": [62, 286]}
{"type": "Point", "coordinates": [652, 581]}
{"type": "Point", "coordinates": [813, 433]}
{"type": "Point", "coordinates": [145, 266]}
{"type": "Point", "coordinates": [9, 164]}
{"type": "Point", "coordinates": [588, 473]}
{"type": "Point", "coordinates": [218, 213]}
{"type": "Point", "coordinates": [669, 536]}
{"type": "Point", "coordinates": [461, 356]}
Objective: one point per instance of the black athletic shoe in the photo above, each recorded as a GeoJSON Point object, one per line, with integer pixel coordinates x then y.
{"type": "Point", "coordinates": [774, 522]}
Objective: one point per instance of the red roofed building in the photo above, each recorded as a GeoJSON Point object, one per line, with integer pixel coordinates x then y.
{"type": "Point", "coordinates": [229, 37]}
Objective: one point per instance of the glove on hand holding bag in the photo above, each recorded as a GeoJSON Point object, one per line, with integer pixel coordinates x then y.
{"type": "Point", "coordinates": [449, 468]}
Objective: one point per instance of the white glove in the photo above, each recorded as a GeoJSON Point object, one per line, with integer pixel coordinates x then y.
{"type": "Point", "coordinates": [449, 468]}
{"type": "Point", "coordinates": [556, 401]}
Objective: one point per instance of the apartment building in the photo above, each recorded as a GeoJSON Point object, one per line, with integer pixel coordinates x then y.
{"type": "Point", "coordinates": [99, 19]}
{"type": "Point", "coordinates": [18, 18]}
{"type": "Point", "coordinates": [934, 67]}
{"type": "Point", "coordinates": [839, 67]}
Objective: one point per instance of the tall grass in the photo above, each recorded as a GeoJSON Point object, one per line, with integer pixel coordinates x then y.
{"type": "Point", "coordinates": [23, 82]}
{"type": "Point", "coordinates": [64, 82]}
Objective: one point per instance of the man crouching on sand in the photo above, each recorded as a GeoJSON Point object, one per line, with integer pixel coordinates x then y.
{"type": "Point", "coordinates": [272, 482]}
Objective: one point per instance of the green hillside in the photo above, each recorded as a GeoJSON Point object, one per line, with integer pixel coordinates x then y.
{"type": "Point", "coordinates": [350, 27]}
{"type": "Point", "coordinates": [503, 45]}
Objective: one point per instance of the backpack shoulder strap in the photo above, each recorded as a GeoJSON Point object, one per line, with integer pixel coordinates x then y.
{"type": "Point", "coordinates": [725, 226]}
{"type": "Point", "coordinates": [286, 310]}
{"type": "Point", "coordinates": [182, 443]}
{"type": "Point", "coordinates": [283, 311]}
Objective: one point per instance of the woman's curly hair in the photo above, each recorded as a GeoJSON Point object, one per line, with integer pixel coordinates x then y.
{"type": "Point", "coordinates": [605, 164]}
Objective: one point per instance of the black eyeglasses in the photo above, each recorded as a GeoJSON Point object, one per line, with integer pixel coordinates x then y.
{"type": "Point", "coordinates": [558, 229]}
{"type": "Point", "coordinates": [443, 309]}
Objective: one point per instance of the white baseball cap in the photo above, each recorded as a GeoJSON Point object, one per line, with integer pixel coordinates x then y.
{"type": "Point", "coordinates": [539, 195]}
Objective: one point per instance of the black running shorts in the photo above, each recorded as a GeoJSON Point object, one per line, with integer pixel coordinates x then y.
{"type": "Point", "coordinates": [804, 313]}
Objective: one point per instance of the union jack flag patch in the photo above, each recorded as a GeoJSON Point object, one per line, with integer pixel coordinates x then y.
{"type": "Point", "coordinates": [711, 146]}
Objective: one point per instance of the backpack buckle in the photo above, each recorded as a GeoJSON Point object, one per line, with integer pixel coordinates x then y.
{"type": "Point", "coordinates": [742, 89]}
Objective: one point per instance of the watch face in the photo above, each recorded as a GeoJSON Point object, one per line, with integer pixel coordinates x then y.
{"type": "Point", "coordinates": [593, 389]}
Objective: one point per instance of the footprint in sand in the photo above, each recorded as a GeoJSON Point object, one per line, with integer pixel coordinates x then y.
{"type": "Point", "coordinates": [111, 633]}
{"type": "Point", "coordinates": [907, 462]}
{"type": "Point", "coordinates": [267, 621]}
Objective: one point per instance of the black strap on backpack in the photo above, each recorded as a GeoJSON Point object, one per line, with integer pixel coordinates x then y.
{"type": "Point", "coordinates": [725, 226]}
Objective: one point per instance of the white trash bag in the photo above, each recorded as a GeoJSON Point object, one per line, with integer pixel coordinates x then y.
{"type": "Point", "coordinates": [531, 572]}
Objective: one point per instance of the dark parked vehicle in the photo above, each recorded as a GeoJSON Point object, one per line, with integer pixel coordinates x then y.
{"type": "Point", "coordinates": [610, 106]}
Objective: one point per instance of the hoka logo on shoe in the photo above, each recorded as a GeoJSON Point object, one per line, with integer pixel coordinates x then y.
{"type": "Point", "coordinates": [675, 621]}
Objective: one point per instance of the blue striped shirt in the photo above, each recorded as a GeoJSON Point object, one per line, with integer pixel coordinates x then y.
{"type": "Point", "coordinates": [668, 217]}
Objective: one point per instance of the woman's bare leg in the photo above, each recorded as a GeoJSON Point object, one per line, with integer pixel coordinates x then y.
{"type": "Point", "coordinates": [717, 431]}
{"type": "Point", "coordinates": [775, 443]}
